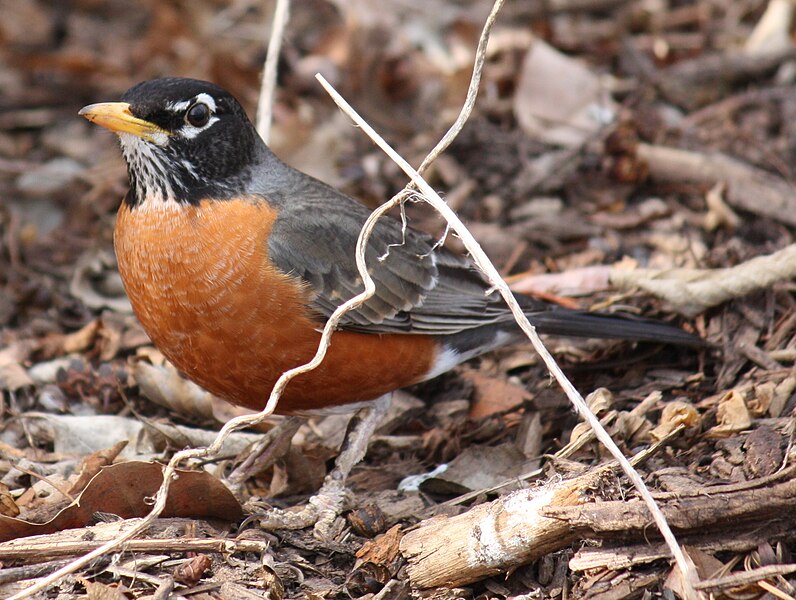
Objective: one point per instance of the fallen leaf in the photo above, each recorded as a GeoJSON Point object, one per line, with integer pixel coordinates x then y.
{"type": "Point", "coordinates": [83, 338]}
{"type": "Point", "coordinates": [101, 591]}
{"type": "Point", "coordinates": [772, 32]}
{"type": "Point", "coordinates": [93, 463]}
{"type": "Point", "coordinates": [781, 396]}
{"type": "Point", "coordinates": [673, 415]}
{"type": "Point", "coordinates": [13, 376]}
{"type": "Point", "coordinates": [8, 507]}
{"type": "Point", "coordinates": [762, 397]}
{"type": "Point", "coordinates": [676, 581]}
{"type": "Point", "coordinates": [96, 282]}
{"type": "Point", "coordinates": [732, 415]}
{"type": "Point", "coordinates": [191, 571]}
{"type": "Point", "coordinates": [272, 583]}
{"type": "Point", "coordinates": [165, 386]}
{"type": "Point", "coordinates": [367, 521]}
{"type": "Point", "coordinates": [123, 489]}
{"type": "Point", "coordinates": [599, 402]}
{"type": "Point", "coordinates": [382, 550]}
{"type": "Point", "coordinates": [764, 452]}
{"type": "Point", "coordinates": [573, 282]}
{"type": "Point", "coordinates": [78, 435]}
{"type": "Point", "coordinates": [707, 566]}
{"type": "Point", "coordinates": [492, 395]}
{"type": "Point", "coordinates": [631, 427]}
{"type": "Point", "coordinates": [476, 468]}
{"type": "Point", "coordinates": [559, 100]}
{"type": "Point", "coordinates": [234, 591]}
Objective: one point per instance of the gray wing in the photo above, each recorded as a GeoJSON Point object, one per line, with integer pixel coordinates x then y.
{"type": "Point", "coordinates": [419, 289]}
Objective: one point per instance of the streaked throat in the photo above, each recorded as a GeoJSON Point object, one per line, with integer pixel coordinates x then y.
{"type": "Point", "coordinates": [155, 176]}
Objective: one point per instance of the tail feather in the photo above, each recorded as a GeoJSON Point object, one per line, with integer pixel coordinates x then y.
{"type": "Point", "coordinates": [583, 324]}
{"type": "Point", "coordinates": [556, 320]}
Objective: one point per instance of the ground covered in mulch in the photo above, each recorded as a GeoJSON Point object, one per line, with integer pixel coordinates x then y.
{"type": "Point", "coordinates": [609, 137]}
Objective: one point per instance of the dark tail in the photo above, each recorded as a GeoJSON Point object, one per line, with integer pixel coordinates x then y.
{"type": "Point", "coordinates": [575, 323]}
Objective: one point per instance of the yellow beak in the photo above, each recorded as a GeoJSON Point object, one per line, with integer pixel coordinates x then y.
{"type": "Point", "coordinates": [117, 117]}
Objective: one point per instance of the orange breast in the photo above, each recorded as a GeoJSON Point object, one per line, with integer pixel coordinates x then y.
{"type": "Point", "coordinates": [201, 284]}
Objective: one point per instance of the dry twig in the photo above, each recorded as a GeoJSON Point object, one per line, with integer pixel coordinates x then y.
{"type": "Point", "coordinates": [692, 291]}
{"type": "Point", "coordinates": [265, 103]}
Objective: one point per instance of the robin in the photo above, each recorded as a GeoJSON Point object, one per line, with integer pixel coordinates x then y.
{"type": "Point", "coordinates": [233, 261]}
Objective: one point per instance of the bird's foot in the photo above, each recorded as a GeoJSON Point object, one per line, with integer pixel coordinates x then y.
{"type": "Point", "coordinates": [324, 508]}
{"type": "Point", "coordinates": [321, 512]}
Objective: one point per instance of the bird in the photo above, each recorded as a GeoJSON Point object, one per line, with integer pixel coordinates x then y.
{"type": "Point", "coordinates": [233, 261]}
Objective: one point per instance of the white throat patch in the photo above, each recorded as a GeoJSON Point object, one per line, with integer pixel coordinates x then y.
{"type": "Point", "coordinates": [149, 165]}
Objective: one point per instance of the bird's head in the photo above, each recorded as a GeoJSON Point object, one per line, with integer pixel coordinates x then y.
{"type": "Point", "coordinates": [183, 140]}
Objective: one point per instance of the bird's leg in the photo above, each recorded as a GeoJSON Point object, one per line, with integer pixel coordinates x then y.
{"type": "Point", "coordinates": [332, 499]}
{"type": "Point", "coordinates": [273, 446]}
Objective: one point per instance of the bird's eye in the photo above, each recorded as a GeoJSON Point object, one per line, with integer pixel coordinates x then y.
{"type": "Point", "coordinates": [198, 114]}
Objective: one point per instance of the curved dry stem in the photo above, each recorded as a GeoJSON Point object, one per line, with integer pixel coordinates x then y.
{"type": "Point", "coordinates": [472, 91]}
{"type": "Point", "coordinates": [496, 281]}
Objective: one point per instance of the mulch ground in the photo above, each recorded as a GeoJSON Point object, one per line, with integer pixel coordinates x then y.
{"type": "Point", "coordinates": [607, 134]}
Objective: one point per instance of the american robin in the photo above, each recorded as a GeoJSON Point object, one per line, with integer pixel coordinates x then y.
{"type": "Point", "coordinates": [233, 260]}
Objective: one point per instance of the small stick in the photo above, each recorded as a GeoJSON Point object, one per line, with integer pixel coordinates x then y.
{"type": "Point", "coordinates": [265, 103]}
{"type": "Point", "coordinates": [745, 577]}
{"type": "Point", "coordinates": [44, 546]}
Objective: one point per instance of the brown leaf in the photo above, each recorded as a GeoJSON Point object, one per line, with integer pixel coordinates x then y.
{"type": "Point", "coordinates": [732, 415]}
{"type": "Point", "coordinates": [93, 463]}
{"type": "Point", "coordinates": [376, 563]}
{"type": "Point", "coordinates": [493, 395]}
{"type": "Point", "coordinates": [165, 386]}
{"type": "Point", "coordinates": [477, 467]}
{"type": "Point", "coordinates": [573, 282]}
{"type": "Point", "coordinates": [382, 551]}
{"type": "Point", "coordinates": [7, 505]}
{"type": "Point", "coordinates": [82, 338]}
{"type": "Point", "coordinates": [600, 401]}
{"type": "Point", "coordinates": [190, 572]}
{"type": "Point", "coordinates": [367, 521]}
{"type": "Point", "coordinates": [272, 583]}
{"type": "Point", "coordinates": [101, 591]}
{"type": "Point", "coordinates": [93, 278]}
{"type": "Point", "coordinates": [707, 565]}
{"type": "Point", "coordinates": [676, 581]}
{"type": "Point", "coordinates": [632, 427]}
{"type": "Point", "coordinates": [764, 453]}
{"type": "Point", "coordinates": [674, 414]}
{"type": "Point", "coordinates": [559, 98]}
{"type": "Point", "coordinates": [12, 375]}
{"type": "Point", "coordinates": [123, 490]}
{"type": "Point", "coordinates": [230, 590]}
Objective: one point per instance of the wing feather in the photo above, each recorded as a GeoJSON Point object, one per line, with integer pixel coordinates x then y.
{"type": "Point", "coordinates": [419, 288]}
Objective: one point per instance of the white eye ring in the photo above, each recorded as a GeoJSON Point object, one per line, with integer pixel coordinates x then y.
{"type": "Point", "coordinates": [198, 115]}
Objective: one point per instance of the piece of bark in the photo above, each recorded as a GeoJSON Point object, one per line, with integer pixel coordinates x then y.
{"type": "Point", "coordinates": [518, 528]}
{"type": "Point", "coordinates": [699, 81]}
{"type": "Point", "coordinates": [713, 509]}
{"type": "Point", "coordinates": [617, 558]}
{"type": "Point", "coordinates": [493, 537]}
{"type": "Point", "coordinates": [748, 188]}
